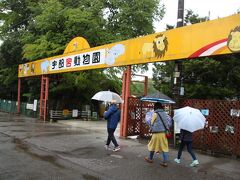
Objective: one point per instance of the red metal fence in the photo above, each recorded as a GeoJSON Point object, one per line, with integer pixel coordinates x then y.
{"type": "Point", "coordinates": [136, 117]}
{"type": "Point", "coordinates": [222, 134]}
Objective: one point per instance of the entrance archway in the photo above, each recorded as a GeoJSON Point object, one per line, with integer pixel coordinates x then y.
{"type": "Point", "coordinates": [170, 45]}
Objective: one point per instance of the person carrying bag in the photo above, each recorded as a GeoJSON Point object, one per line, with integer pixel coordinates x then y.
{"type": "Point", "coordinates": [159, 142]}
{"type": "Point", "coordinates": [167, 130]}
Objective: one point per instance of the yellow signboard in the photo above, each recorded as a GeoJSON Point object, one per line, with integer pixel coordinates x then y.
{"type": "Point", "coordinates": [221, 36]}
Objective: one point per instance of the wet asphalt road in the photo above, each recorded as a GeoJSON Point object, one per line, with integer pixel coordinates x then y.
{"type": "Point", "coordinates": [31, 149]}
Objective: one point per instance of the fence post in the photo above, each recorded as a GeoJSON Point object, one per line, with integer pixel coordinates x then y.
{"type": "Point", "coordinates": [19, 95]}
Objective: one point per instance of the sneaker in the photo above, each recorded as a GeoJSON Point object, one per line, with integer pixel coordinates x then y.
{"type": "Point", "coordinates": [164, 164]}
{"type": "Point", "coordinates": [194, 163]}
{"type": "Point", "coordinates": [107, 147]}
{"type": "Point", "coordinates": [148, 160]}
{"type": "Point", "coordinates": [116, 149]}
{"type": "Point", "coordinates": [178, 161]}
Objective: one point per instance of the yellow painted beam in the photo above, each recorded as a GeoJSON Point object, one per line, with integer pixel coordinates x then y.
{"type": "Point", "coordinates": [221, 36]}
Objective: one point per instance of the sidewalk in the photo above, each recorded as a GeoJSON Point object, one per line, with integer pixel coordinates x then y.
{"type": "Point", "coordinates": [209, 166]}
{"type": "Point", "coordinates": [73, 149]}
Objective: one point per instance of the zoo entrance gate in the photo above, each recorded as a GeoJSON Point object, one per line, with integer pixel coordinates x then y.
{"type": "Point", "coordinates": [220, 136]}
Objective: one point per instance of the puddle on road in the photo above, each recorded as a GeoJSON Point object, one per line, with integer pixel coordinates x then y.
{"type": "Point", "coordinates": [17, 125]}
{"type": "Point", "coordinates": [10, 120]}
{"type": "Point", "coordinates": [50, 134]}
{"type": "Point", "coordinates": [19, 131]}
{"type": "Point", "coordinates": [1, 120]}
{"type": "Point", "coordinates": [116, 156]}
{"type": "Point", "coordinates": [83, 151]}
{"type": "Point", "coordinates": [23, 147]}
{"type": "Point", "coordinates": [90, 177]}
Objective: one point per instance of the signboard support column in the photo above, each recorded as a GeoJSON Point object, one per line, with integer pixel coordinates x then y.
{"type": "Point", "coordinates": [125, 96]}
{"type": "Point", "coordinates": [123, 104]}
{"type": "Point", "coordinates": [44, 97]}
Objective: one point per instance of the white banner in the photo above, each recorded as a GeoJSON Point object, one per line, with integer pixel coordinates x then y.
{"type": "Point", "coordinates": [78, 60]}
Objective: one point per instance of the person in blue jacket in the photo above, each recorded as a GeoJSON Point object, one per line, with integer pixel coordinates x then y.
{"type": "Point", "coordinates": [112, 115]}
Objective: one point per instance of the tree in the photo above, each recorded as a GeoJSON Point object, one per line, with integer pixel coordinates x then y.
{"type": "Point", "coordinates": [137, 88]}
{"type": "Point", "coordinates": [162, 77]}
{"type": "Point", "coordinates": [10, 51]}
{"type": "Point", "coordinates": [130, 18]}
{"type": "Point", "coordinates": [45, 27]}
{"type": "Point", "coordinates": [14, 16]}
{"type": "Point", "coordinates": [212, 78]}
{"type": "Point", "coordinates": [192, 18]}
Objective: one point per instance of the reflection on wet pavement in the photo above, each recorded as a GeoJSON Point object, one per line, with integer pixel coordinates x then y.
{"type": "Point", "coordinates": [24, 148]}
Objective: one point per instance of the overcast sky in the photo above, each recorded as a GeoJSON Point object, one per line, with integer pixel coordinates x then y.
{"type": "Point", "coordinates": [217, 9]}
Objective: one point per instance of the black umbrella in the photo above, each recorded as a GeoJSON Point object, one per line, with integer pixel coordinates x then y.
{"type": "Point", "coordinates": [158, 97]}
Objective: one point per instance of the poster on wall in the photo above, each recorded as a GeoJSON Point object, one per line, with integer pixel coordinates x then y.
{"type": "Point", "coordinates": [229, 129]}
{"type": "Point", "coordinates": [205, 112]}
{"type": "Point", "coordinates": [235, 112]}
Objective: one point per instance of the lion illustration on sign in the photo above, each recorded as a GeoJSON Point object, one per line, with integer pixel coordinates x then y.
{"type": "Point", "coordinates": [234, 40]}
{"type": "Point", "coordinates": [157, 48]}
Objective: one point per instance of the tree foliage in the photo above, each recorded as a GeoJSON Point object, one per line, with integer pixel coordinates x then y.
{"type": "Point", "coordinates": [10, 54]}
{"type": "Point", "coordinates": [162, 77]}
{"type": "Point", "coordinates": [192, 18]}
{"type": "Point", "coordinates": [212, 78]}
{"type": "Point", "coordinates": [35, 29]}
{"type": "Point", "coordinates": [137, 88]}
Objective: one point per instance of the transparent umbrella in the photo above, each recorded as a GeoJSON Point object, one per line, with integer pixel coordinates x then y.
{"type": "Point", "coordinates": [188, 118]}
{"type": "Point", "coordinates": [107, 96]}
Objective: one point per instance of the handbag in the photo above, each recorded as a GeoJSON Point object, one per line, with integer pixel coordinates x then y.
{"type": "Point", "coordinates": [168, 132]}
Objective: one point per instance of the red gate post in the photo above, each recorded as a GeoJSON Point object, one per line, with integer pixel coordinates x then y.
{"type": "Point", "coordinates": [126, 95]}
{"type": "Point", "coordinates": [123, 104]}
{"type": "Point", "coordinates": [44, 97]}
{"type": "Point", "coordinates": [41, 100]}
{"type": "Point", "coordinates": [19, 95]}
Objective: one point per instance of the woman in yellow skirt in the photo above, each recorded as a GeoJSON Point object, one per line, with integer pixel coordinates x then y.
{"type": "Point", "coordinates": [159, 142]}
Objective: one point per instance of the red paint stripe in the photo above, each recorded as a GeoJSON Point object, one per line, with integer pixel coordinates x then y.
{"type": "Point", "coordinates": [200, 51]}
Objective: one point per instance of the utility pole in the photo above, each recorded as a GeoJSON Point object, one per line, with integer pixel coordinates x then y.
{"type": "Point", "coordinates": [177, 75]}
{"type": "Point", "coordinates": [177, 83]}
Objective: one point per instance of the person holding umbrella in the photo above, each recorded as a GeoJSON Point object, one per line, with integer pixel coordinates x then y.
{"type": "Point", "coordinates": [159, 124]}
{"type": "Point", "coordinates": [186, 138]}
{"type": "Point", "coordinates": [188, 120]}
{"type": "Point", "coordinates": [112, 115]}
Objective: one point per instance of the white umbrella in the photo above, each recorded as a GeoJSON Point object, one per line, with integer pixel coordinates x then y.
{"type": "Point", "coordinates": [107, 96]}
{"type": "Point", "coordinates": [189, 118]}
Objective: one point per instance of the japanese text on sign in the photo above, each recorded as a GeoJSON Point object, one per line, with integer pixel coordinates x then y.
{"type": "Point", "coordinates": [78, 60]}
